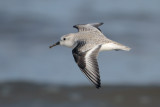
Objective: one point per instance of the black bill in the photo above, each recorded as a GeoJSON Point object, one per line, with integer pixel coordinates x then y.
{"type": "Point", "coordinates": [54, 44]}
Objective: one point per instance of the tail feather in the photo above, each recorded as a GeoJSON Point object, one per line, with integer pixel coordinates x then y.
{"type": "Point", "coordinates": [114, 46]}
{"type": "Point", "coordinates": [125, 48]}
{"type": "Point", "coordinates": [119, 46]}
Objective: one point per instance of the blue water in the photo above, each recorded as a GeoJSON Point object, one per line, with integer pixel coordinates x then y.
{"type": "Point", "coordinates": [27, 28]}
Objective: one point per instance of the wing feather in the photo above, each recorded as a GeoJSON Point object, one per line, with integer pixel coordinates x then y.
{"type": "Point", "coordinates": [88, 27]}
{"type": "Point", "coordinates": [87, 62]}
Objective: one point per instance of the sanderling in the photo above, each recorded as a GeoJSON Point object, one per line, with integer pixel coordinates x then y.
{"type": "Point", "coordinates": [86, 44]}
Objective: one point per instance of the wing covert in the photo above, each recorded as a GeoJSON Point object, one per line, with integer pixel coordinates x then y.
{"type": "Point", "coordinates": [88, 27]}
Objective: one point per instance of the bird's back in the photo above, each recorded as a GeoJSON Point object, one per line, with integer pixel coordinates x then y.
{"type": "Point", "coordinates": [92, 36]}
{"type": "Point", "coordinates": [91, 39]}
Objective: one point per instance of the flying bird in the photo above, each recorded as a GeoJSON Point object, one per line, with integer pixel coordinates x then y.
{"type": "Point", "coordinates": [86, 45]}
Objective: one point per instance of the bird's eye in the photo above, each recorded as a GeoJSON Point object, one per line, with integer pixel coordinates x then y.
{"type": "Point", "coordinates": [64, 38]}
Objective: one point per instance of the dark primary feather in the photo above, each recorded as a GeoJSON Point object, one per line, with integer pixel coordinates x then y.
{"type": "Point", "coordinates": [79, 56]}
{"type": "Point", "coordinates": [90, 68]}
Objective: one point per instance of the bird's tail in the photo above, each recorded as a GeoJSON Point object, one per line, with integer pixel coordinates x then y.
{"type": "Point", "coordinates": [114, 46]}
{"type": "Point", "coordinates": [125, 48]}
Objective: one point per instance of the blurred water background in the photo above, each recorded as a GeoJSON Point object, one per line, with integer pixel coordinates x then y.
{"type": "Point", "coordinates": [28, 27]}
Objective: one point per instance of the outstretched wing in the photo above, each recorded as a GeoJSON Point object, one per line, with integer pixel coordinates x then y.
{"type": "Point", "coordinates": [87, 62]}
{"type": "Point", "coordinates": [88, 27]}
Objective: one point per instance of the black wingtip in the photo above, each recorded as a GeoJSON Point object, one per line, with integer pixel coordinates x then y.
{"type": "Point", "coordinates": [75, 26]}
{"type": "Point", "coordinates": [98, 86]}
{"type": "Point", "coordinates": [101, 23]}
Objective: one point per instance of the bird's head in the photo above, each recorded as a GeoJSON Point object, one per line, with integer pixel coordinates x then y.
{"type": "Point", "coordinates": [66, 40]}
